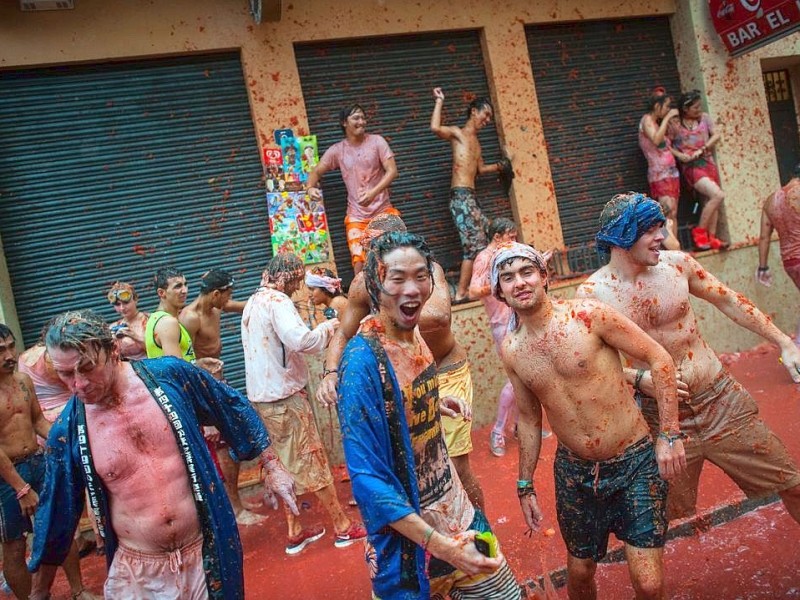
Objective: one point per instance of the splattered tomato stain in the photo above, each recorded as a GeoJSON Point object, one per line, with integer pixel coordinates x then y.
{"type": "Point", "coordinates": [583, 316]}
{"type": "Point", "coordinates": [139, 250]}
{"type": "Point", "coordinates": [275, 76]}
{"type": "Point", "coordinates": [701, 274]}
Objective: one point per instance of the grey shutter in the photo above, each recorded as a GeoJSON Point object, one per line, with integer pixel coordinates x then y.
{"type": "Point", "coordinates": [593, 80]}
{"type": "Point", "coordinates": [110, 171]}
{"type": "Point", "coordinates": [393, 78]}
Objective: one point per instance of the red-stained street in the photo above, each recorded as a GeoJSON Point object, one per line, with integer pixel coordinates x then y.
{"type": "Point", "coordinates": [718, 555]}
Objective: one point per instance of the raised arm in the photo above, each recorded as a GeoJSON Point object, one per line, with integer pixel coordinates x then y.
{"type": "Point", "coordinates": [658, 133]}
{"type": "Point", "coordinates": [441, 131]}
{"type": "Point", "coordinates": [763, 276]}
{"type": "Point", "coordinates": [743, 312]}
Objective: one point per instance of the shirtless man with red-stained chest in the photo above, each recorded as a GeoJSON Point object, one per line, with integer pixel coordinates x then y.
{"type": "Point", "coordinates": [21, 475]}
{"type": "Point", "coordinates": [652, 287]}
{"type": "Point", "coordinates": [563, 356]}
{"type": "Point", "coordinates": [170, 531]}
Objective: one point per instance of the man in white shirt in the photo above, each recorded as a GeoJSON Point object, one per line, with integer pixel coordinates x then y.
{"type": "Point", "coordinates": [274, 339]}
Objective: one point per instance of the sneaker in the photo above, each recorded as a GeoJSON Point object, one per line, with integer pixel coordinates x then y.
{"type": "Point", "coordinates": [497, 443]}
{"type": "Point", "coordinates": [354, 533]}
{"type": "Point", "coordinates": [700, 239]}
{"type": "Point", "coordinates": [716, 243]}
{"type": "Point", "coordinates": [296, 544]}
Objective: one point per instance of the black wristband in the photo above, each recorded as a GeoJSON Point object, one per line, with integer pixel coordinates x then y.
{"type": "Point", "coordinates": [763, 269]}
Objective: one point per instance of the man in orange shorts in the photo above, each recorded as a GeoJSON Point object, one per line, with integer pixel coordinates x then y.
{"type": "Point", "coordinates": [368, 169]}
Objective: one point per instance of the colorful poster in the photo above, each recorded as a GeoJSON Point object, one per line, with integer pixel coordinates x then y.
{"type": "Point", "coordinates": [292, 165]}
{"type": "Point", "coordinates": [309, 156]}
{"type": "Point", "coordinates": [298, 224]}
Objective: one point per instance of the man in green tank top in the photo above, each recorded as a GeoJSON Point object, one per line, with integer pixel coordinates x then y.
{"type": "Point", "coordinates": [164, 335]}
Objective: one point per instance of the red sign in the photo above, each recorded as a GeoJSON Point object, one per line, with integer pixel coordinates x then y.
{"type": "Point", "coordinates": [745, 25]}
{"type": "Point", "coordinates": [272, 157]}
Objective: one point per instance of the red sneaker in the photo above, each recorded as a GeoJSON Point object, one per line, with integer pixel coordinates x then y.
{"type": "Point", "coordinates": [354, 533]}
{"type": "Point", "coordinates": [700, 239]}
{"type": "Point", "coordinates": [296, 544]}
{"type": "Point", "coordinates": [716, 243]}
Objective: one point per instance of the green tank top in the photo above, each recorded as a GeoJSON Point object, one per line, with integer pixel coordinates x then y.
{"type": "Point", "coordinates": [156, 351]}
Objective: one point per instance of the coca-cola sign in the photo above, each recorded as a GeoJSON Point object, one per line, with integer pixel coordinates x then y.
{"type": "Point", "coordinates": [745, 25]}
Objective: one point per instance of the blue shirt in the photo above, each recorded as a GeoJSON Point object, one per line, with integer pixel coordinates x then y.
{"type": "Point", "coordinates": [190, 397]}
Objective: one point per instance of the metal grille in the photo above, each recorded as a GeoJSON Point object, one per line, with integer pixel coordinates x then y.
{"type": "Point", "coordinates": [111, 171]}
{"type": "Point", "coordinates": [392, 79]}
{"type": "Point", "coordinates": [593, 80]}
{"type": "Point", "coordinates": [776, 84]}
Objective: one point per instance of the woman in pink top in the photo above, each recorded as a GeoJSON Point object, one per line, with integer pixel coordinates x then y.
{"type": "Point", "coordinates": [781, 213]}
{"type": "Point", "coordinates": [693, 138]}
{"type": "Point", "coordinates": [662, 172]}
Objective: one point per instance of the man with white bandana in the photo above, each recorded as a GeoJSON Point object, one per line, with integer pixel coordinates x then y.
{"type": "Point", "coordinates": [563, 356]}
{"type": "Point", "coordinates": [652, 287]}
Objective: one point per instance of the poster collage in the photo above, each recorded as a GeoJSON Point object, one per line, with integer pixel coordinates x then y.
{"type": "Point", "coordinates": [297, 223]}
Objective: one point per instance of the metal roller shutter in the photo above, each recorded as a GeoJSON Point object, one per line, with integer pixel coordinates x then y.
{"type": "Point", "coordinates": [111, 171]}
{"type": "Point", "coordinates": [593, 80]}
{"type": "Point", "coordinates": [393, 78]}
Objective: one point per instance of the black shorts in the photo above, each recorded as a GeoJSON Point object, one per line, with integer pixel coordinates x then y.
{"type": "Point", "coordinates": [624, 495]}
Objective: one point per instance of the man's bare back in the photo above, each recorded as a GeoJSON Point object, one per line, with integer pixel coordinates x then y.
{"type": "Point", "coordinates": [577, 376]}
{"type": "Point", "coordinates": [658, 302]}
{"type": "Point", "coordinates": [136, 456]}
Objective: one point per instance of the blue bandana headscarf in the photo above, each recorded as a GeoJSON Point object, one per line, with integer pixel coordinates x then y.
{"type": "Point", "coordinates": [624, 219]}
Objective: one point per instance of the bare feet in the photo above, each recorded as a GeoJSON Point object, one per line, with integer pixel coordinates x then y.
{"type": "Point", "coordinates": [246, 517]}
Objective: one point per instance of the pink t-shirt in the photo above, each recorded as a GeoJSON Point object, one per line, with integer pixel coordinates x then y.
{"type": "Point", "coordinates": [688, 140]}
{"type": "Point", "coordinates": [660, 161]}
{"type": "Point", "coordinates": [362, 168]}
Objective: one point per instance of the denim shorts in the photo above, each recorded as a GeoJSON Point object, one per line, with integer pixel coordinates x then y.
{"type": "Point", "coordinates": [13, 524]}
{"type": "Point", "coordinates": [623, 495]}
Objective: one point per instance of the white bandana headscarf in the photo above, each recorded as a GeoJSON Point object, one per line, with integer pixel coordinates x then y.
{"type": "Point", "coordinates": [510, 251]}
{"type": "Point", "coordinates": [331, 284]}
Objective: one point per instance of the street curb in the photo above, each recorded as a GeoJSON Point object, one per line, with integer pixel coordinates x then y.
{"type": "Point", "coordinates": [684, 528]}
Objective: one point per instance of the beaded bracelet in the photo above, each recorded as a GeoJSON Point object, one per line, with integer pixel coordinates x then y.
{"type": "Point", "coordinates": [525, 488]}
{"type": "Point", "coordinates": [671, 437]}
{"type": "Point", "coordinates": [23, 490]}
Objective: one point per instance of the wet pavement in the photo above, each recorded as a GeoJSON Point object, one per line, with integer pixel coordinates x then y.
{"type": "Point", "coordinates": [732, 550]}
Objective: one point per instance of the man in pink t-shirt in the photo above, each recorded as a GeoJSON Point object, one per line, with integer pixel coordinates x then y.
{"type": "Point", "coordinates": [368, 168]}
